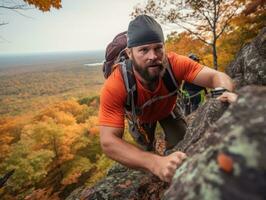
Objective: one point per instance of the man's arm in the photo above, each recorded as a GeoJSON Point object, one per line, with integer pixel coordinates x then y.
{"type": "Point", "coordinates": [127, 154]}
{"type": "Point", "coordinates": [211, 78]}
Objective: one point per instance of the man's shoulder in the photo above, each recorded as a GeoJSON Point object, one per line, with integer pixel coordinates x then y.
{"type": "Point", "coordinates": [174, 57]}
{"type": "Point", "coordinates": [115, 78]}
{"type": "Point", "coordinates": [183, 67]}
{"type": "Point", "coordinates": [114, 84]}
{"type": "Point", "coordinates": [171, 54]}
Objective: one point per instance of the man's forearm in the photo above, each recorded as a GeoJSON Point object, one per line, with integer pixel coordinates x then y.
{"type": "Point", "coordinates": [211, 78]}
{"type": "Point", "coordinates": [222, 80]}
{"type": "Point", "coordinates": [129, 155]}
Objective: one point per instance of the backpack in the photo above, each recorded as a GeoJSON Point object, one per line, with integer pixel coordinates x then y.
{"type": "Point", "coordinates": [115, 53]}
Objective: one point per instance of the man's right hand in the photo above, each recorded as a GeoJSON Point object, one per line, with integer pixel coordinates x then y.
{"type": "Point", "coordinates": [131, 156]}
{"type": "Point", "coordinates": [166, 166]}
{"type": "Point", "coordinates": [229, 97]}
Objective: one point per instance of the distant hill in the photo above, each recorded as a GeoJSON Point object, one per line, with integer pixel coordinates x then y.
{"type": "Point", "coordinates": [29, 82]}
{"type": "Point", "coordinates": [18, 60]}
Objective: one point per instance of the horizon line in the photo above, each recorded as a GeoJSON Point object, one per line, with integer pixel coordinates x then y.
{"type": "Point", "coordinates": [47, 52]}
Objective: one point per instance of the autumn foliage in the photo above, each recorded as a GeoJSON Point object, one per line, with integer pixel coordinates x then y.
{"type": "Point", "coordinates": [221, 26]}
{"type": "Point", "coordinates": [45, 5]}
{"type": "Point", "coordinates": [241, 29]}
{"type": "Point", "coordinates": [51, 150]}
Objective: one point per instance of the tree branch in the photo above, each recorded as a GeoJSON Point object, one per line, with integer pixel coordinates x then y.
{"type": "Point", "coordinates": [208, 20]}
{"type": "Point", "coordinates": [3, 23]}
{"type": "Point", "coordinates": [201, 12]}
{"type": "Point", "coordinates": [226, 23]}
{"type": "Point", "coordinates": [16, 7]}
{"type": "Point", "coordinates": [183, 21]}
{"type": "Point", "coordinates": [194, 33]}
{"type": "Point", "coordinates": [3, 39]}
{"type": "Point", "coordinates": [18, 11]}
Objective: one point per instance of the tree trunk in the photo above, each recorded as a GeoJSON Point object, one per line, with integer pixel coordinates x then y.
{"type": "Point", "coordinates": [57, 158]}
{"type": "Point", "coordinates": [214, 52]}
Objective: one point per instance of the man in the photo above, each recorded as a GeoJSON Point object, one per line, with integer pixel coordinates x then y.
{"type": "Point", "coordinates": [145, 49]}
{"type": "Point", "coordinates": [191, 92]}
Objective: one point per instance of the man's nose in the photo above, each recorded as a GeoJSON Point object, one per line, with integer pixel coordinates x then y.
{"type": "Point", "coordinates": [152, 55]}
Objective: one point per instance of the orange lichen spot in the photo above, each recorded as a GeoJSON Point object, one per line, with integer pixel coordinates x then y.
{"type": "Point", "coordinates": [125, 185]}
{"type": "Point", "coordinates": [225, 162]}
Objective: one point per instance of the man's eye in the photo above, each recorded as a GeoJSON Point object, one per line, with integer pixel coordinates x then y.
{"type": "Point", "coordinates": [159, 49]}
{"type": "Point", "coordinates": [144, 50]}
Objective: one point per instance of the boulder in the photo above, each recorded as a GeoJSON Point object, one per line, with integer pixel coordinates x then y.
{"type": "Point", "coordinates": [227, 161]}
{"type": "Point", "coordinates": [249, 66]}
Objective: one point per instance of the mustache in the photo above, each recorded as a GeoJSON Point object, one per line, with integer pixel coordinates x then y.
{"type": "Point", "coordinates": [155, 65]}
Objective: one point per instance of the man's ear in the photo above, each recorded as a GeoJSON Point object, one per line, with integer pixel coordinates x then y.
{"type": "Point", "coordinates": [129, 53]}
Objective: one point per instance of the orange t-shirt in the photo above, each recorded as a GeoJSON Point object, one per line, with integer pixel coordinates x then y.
{"type": "Point", "coordinates": [113, 94]}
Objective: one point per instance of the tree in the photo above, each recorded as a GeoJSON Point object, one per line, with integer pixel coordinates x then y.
{"type": "Point", "coordinates": [207, 20]}
{"type": "Point", "coordinates": [50, 151]}
{"type": "Point", "coordinates": [30, 166]}
{"type": "Point", "coordinates": [10, 130]}
{"type": "Point", "coordinates": [41, 5]}
{"type": "Point", "coordinates": [253, 6]}
{"type": "Point", "coordinates": [184, 43]}
{"type": "Point", "coordinates": [242, 29]}
{"type": "Point", "coordinates": [45, 5]}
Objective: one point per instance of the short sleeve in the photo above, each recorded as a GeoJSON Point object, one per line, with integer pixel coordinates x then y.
{"type": "Point", "coordinates": [183, 67]}
{"type": "Point", "coordinates": [112, 101]}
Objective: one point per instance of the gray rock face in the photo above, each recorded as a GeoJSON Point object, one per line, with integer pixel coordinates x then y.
{"type": "Point", "coordinates": [199, 122]}
{"type": "Point", "coordinates": [250, 64]}
{"type": "Point", "coordinates": [225, 144]}
{"type": "Point", "coordinates": [122, 183]}
{"type": "Point", "coordinates": [239, 136]}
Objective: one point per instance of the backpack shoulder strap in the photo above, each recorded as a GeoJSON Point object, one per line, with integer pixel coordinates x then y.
{"type": "Point", "coordinates": [130, 84]}
{"type": "Point", "coordinates": [131, 87]}
{"type": "Point", "coordinates": [169, 79]}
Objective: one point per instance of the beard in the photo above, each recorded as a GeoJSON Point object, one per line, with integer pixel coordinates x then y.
{"type": "Point", "coordinates": [151, 72]}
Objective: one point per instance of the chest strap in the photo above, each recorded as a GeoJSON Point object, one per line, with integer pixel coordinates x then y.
{"type": "Point", "coordinates": [131, 87]}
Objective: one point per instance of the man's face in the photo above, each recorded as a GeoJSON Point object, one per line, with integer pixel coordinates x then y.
{"type": "Point", "coordinates": [147, 60]}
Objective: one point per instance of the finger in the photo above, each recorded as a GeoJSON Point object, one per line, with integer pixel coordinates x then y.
{"type": "Point", "coordinates": [168, 180]}
{"type": "Point", "coordinates": [176, 161]}
{"type": "Point", "coordinates": [181, 155]}
{"type": "Point", "coordinates": [171, 167]}
{"type": "Point", "coordinates": [222, 98]}
{"type": "Point", "coordinates": [168, 177]}
{"type": "Point", "coordinates": [233, 97]}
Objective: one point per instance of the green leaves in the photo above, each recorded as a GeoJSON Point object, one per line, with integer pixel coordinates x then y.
{"type": "Point", "coordinates": [30, 166]}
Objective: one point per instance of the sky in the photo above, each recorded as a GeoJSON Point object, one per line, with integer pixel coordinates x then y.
{"type": "Point", "coordinates": [79, 25]}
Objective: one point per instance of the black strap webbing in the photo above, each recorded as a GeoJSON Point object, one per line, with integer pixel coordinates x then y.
{"type": "Point", "coordinates": [169, 79]}
{"type": "Point", "coordinates": [132, 89]}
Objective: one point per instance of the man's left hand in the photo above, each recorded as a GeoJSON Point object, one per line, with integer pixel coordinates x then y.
{"type": "Point", "coordinates": [229, 97]}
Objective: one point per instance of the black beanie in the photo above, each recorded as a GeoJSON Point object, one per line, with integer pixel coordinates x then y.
{"type": "Point", "coordinates": [144, 30]}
